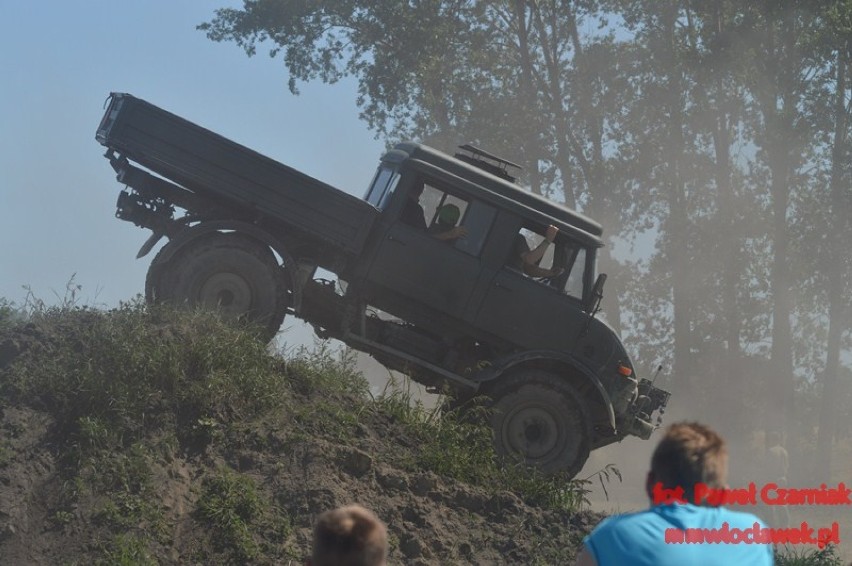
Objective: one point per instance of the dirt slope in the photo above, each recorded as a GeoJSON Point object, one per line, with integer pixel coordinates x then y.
{"type": "Point", "coordinates": [104, 459]}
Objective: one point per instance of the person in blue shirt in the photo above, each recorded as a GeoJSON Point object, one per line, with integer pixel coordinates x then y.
{"type": "Point", "coordinates": [688, 454]}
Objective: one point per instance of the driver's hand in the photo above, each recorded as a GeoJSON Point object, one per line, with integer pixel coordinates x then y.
{"type": "Point", "coordinates": [550, 233]}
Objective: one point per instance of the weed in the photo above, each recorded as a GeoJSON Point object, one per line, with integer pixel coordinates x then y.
{"type": "Point", "coordinates": [69, 300]}
{"type": "Point", "coordinates": [206, 430]}
{"type": "Point", "coordinates": [323, 369]}
{"type": "Point", "coordinates": [62, 517]}
{"type": "Point", "coordinates": [327, 418]}
{"type": "Point", "coordinates": [93, 434]}
{"type": "Point", "coordinates": [122, 481]}
{"type": "Point", "coordinates": [10, 315]}
{"type": "Point", "coordinates": [230, 504]}
{"type": "Point", "coordinates": [122, 511]}
{"type": "Point", "coordinates": [136, 386]}
{"type": "Point", "coordinates": [458, 444]}
{"type": "Point", "coordinates": [135, 369]}
{"type": "Point", "coordinates": [804, 557]}
{"type": "Point", "coordinates": [127, 550]}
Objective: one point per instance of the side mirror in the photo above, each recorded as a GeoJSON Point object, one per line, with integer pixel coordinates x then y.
{"type": "Point", "coordinates": [596, 295]}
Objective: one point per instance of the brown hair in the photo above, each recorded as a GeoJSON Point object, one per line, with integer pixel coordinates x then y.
{"type": "Point", "coordinates": [690, 453]}
{"type": "Point", "coordinates": [349, 536]}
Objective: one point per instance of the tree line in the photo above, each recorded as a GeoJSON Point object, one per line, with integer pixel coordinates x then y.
{"type": "Point", "coordinates": [711, 140]}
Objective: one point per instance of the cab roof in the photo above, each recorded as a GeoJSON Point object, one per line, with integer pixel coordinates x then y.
{"type": "Point", "coordinates": [515, 198]}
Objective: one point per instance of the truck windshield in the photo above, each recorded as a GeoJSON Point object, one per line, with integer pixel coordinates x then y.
{"type": "Point", "coordinates": [576, 273]}
{"type": "Point", "coordinates": [571, 259]}
{"type": "Point", "coordinates": [382, 187]}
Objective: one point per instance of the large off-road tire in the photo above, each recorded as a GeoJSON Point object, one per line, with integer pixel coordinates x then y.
{"type": "Point", "coordinates": [537, 418]}
{"type": "Point", "coordinates": [228, 272]}
{"type": "Point", "coordinates": [157, 273]}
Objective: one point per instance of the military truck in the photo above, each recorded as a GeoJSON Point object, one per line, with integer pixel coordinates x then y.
{"type": "Point", "coordinates": [464, 314]}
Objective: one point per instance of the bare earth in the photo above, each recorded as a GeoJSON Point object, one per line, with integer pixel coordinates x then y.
{"type": "Point", "coordinates": [431, 520]}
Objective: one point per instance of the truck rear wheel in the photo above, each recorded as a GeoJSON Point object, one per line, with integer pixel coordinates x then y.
{"type": "Point", "coordinates": [228, 272]}
{"type": "Point", "coordinates": [537, 418]}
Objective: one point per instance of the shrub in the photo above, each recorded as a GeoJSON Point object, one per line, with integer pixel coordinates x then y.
{"type": "Point", "coordinates": [136, 368]}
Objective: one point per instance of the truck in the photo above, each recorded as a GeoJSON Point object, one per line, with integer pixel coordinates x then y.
{"type": "Point", "coordinates": [446, 270]}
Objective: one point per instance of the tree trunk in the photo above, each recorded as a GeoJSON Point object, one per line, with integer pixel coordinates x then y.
{"type": "Point", "coordinates": [730, 240]}
{"type": "Point", "coordinates": [776, 91]}
{"type": "Point", "coordinates": [837, 272]}
{"type": "Point", "coordinates": [677, 235]}
{"type": "Point", "coordinates": [532, 151]}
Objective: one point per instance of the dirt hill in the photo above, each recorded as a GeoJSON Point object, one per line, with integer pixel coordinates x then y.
{"type": "Point", "coordinates": [152, 437]}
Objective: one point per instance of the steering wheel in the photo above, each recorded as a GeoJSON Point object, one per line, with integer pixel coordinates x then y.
{"type": "Point", "coordinates": [551, 280]}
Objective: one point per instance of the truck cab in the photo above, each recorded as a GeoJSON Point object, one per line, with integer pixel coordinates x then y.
{"type": "Point", "coordinates": [474, 286]}
{"type": "Point", "coordinates": [470, 317]}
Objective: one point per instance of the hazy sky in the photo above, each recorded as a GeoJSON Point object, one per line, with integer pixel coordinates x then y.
{"type": "Point", "coordinates": [61, 59]}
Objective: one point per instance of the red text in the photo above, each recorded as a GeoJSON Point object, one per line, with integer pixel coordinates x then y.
{"type": "Point", "coordinates": [756, 534]}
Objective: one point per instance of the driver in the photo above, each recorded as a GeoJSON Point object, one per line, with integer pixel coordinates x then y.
{"type": "Point", "coordinates": [526, 260]}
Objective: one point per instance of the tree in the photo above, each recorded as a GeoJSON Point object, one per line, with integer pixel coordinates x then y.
{"type": "Point", "coordinates": [772, 34]}
{"type": "Point", "coordinates": [515, 76]}
{"type": "Point", "coordinates": [719, 126]}
{"type": "Point", "coordinates": [836, 42]}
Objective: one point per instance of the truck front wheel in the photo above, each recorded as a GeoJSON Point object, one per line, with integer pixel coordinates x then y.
{"type": "Point", "coordinates": [228, 272]}
{"type": "Point", "coordinates": [537, 418]}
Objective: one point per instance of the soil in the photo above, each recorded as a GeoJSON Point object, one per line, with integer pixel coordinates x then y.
{"type": "Point", "coordinates": [431, 519]}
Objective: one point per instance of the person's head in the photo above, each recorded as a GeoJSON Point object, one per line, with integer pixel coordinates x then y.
{"type": "Point", "coordinates": [349, 536]}
{"type": "Point", "coordinates": [689, 453]}
{"type": "Point", "coordinates": [448, 215]}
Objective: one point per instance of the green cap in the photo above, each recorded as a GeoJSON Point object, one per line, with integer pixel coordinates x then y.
{"type": "Point", "coordinates": [449, 214]}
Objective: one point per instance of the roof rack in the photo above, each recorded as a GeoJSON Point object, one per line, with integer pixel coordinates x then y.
{"type": "Point", "coordinates": [487, 161]}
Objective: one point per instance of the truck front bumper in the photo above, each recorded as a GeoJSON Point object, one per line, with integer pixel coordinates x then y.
{"type": "Point", "coordinates": [649, 400]}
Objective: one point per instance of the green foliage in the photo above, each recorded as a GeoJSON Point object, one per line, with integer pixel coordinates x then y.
{"type": "Point", "coordinates": [453, 444]}
{"type": "Point", "coordinates": [136, 390]}
{"type": "Point", "coordinates": [332, 373]}
{"type": "Point", "coordinates": [117, 374]}
{"type": "Point", "coordinates": [699, 134]}
{"type": "Point", "coordinates": [231, 506]}
{"type": "Point", "coordinates": [127, 550]}
{"type": "Point", "coordinates": [457, 444]}
{"type": "Point", "coordinates": [338, 392]}
{"type": "Point", "coordinates": [122, 481]}
{"type": "Point", "coordinates": [10, 315]}
{"type": "Point", "coordinates": [127, 387]}
{"type": "Point", "coordinates": [330, 40]}
{"type": "Point", "coordinates": [808, 557]}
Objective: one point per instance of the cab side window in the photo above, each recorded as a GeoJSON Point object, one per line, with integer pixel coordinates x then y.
{"type": "Point", "coordinates": [576, 275]}
{"type": "Point", "coordinates": [532, 254]}
{"type": "Point", "coordinates": [434, 200]}
{"type": "Point", "coordinates": [571, 258]}
{"type": "Point", "coordinates": [461, 222]}
{"type": "Point", "coordinates": [561, 264]}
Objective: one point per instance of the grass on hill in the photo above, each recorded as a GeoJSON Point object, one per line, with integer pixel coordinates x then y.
{"type": "Point", "coordinates": [137, 385]}
{"type": "Point", "coordinates": [132, 388]}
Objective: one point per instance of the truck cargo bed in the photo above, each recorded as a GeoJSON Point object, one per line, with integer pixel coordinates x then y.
{"type": "Point", "coordinates": [217, 168]}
